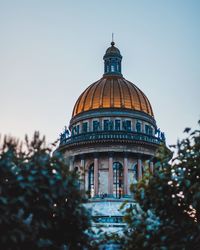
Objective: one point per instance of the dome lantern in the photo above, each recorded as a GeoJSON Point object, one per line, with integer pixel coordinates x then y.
{"type": "Point", "coordinates": [112, 91]}
{"type": "Point", "coordinates": [112, 61]}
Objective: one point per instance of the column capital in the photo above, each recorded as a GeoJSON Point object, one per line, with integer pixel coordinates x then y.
{"type": "Point", "coordinates": [72, 158]}
{"type": "Point", "coordinates": [96, 155]}
{"type": "Point", "coordinates": [139, 156]}
{"type": "Point", "coordinates": [126, 154]}
{"type": "Point", "coordinates": [83, 157]}
{"type": "Point", "coordinates": [110, 154]}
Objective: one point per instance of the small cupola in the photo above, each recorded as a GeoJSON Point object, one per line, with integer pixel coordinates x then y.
{"type": "Point", "coordinates": [112, 61]}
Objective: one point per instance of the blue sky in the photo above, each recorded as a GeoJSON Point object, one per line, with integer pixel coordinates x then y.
{"type": "Point", "coordinates": [50, 51]}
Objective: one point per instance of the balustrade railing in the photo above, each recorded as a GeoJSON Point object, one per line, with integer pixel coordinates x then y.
{"type": "Point", "coordinates": [110, 135]}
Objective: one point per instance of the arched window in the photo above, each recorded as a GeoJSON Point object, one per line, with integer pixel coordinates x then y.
{"type": "Point", "coordinates": [91, 180]}
{"type": "Point", "coordinates": [84, 127]}
{"type": "Point", "coordinates": [135, 172]}
{"type": "Point", "coordinates": [117, 180]}
{"type": "Point", "coordinates": [117, 66]}
{"type": "Point", "coordinates": [117, 124]}
{"type": "Point", "coordinates": [138, 127]}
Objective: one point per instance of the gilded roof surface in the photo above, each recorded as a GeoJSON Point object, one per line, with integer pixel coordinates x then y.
{"type": "Point", "coordinates": [112, 92]}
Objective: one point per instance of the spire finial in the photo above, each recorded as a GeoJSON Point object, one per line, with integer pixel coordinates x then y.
{"type": "Point", "coordinates": [112, 43]}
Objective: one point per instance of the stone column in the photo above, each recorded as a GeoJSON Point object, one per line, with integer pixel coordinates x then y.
{"type": "Point", "coordinates": [151, 167]}
{"type": "Point", "coordinates": [71, 163]}
{"type": "Point", "coordinates": [82, 174]}
{"type": "Point", "coordinates": [125, 175]}
{"type": "Point", "coordinates": [110, 175]}
{"type": "Point", "coordinates": [139, 169]}
{"type": "Point", "coordinates": [96, 175]}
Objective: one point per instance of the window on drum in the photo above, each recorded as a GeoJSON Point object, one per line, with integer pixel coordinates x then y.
{"type": "Point", "coordinates": [117, 180]}
{"type": "Point", "coordinates": [91, 181]}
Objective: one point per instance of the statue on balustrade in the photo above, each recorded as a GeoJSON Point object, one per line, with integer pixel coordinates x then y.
{"type": "Point", "coordinates": [158, 133]}
{"type": "Point", "coordinates": [162, 136]}
{"type": "Point", "coordinates": [64, 135]}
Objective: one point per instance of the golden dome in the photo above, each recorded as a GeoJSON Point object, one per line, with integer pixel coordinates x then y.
{"type": "Point", "coordinates": [112, 92]}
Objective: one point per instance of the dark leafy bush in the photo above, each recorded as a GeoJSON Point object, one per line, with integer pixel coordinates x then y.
{"type": "Point", "coordinates": [40, 201]}
{"type": "Point", "coordinates": [167, 212]}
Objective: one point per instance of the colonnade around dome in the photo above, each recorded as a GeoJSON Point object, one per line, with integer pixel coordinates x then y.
{"type": "Point", "coordinates": [110, 175]}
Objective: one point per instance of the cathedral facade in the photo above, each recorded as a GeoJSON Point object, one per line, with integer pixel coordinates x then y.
{"type": "Point", "coordinates": [112, 137]}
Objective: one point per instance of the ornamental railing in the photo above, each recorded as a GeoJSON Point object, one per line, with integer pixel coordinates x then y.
{"type": "Point", "coordinates": [110, 135]}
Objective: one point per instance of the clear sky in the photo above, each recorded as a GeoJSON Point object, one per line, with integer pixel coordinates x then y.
{"type": "Point", "coordinates": [51, 50]}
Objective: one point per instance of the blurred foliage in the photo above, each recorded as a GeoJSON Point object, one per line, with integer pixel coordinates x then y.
{"type": "Point", "coordinates": [40, 201]}
{"type": "Point", "coordinates": [166, 214]}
